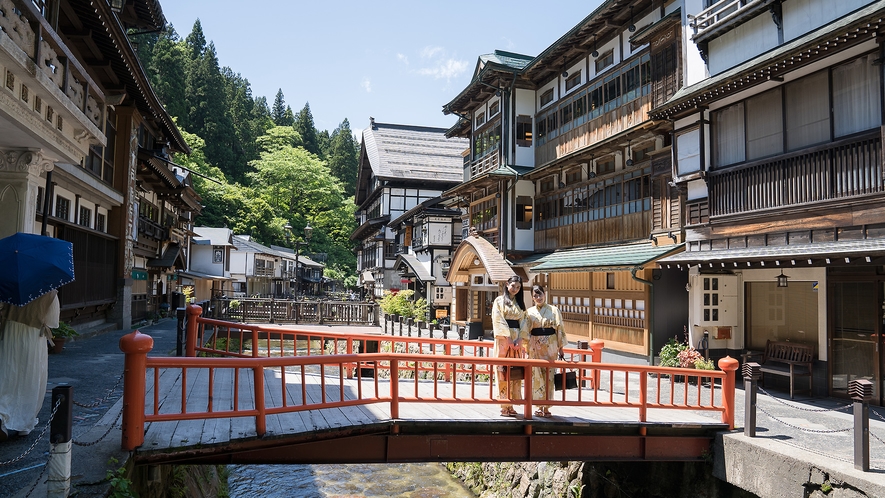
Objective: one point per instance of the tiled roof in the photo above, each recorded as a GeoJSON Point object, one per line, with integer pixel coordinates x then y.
{"type": "Point", "coordinates": [835, 250]}
{"type": "Point", "coordinates": [414, 153]}
{"type": "Point", "coordinates": [615, 257]}
{"type": "Point", "coordinates": [509, 59]}
{"type": "Point", "coordinates": [212, 236]}
{"type": "Point", "coordinates": [415, 265]}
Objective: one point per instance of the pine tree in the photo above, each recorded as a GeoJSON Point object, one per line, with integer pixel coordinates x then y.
{"type": "Point", "coordinates": [278, 111]}
{"type": "Point", "coordinates": [167, 71]}
{"type": "Point", "coordinates": [209, 114]}
{"type": "Point", "coordinates": [195, 42]}
{"type": "Point", "coordinates": [305, 127]}
{"type": "Point", "coordinates": [343, 157]}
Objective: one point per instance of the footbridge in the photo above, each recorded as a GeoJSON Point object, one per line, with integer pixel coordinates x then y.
{"type": "Point", "coordinates": [272, 394]}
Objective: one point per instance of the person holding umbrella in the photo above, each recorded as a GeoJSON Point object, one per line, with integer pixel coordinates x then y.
{"type": "Point", "coordinates": [35, 267]}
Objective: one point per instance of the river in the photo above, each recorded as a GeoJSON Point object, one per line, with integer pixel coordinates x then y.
{"type": "Point", "coordinates": [405, 480]}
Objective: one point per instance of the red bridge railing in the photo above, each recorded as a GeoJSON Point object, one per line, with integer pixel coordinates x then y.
{"type": "Point", "coordinates": [403, 370]}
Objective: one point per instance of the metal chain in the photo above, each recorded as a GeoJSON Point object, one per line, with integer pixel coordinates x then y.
{"type": "Point", "coordinates": [37, 480]}
{"type": "Point", "coordinates": [874, 412]}
{"type": "Point", "coordinates": [39, 438]}
{"type": "Point", "coordinates": [110, 427]}
{"type": "Point", "coordinates": [107, 396]}
{"type": "Point", "coordinates": [817, 431]}
{"type": "Point", "coordinates": [804, 409]}
{"type": "Point", "coordinates": [877, 437]}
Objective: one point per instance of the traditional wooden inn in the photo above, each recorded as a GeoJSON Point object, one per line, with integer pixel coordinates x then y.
{"type": "Point", "coordinates": [400, 166]}
{"type": "Point", "coordinates": [568, 179]}
{"type": "Point", "coordinates": [426, 236]}
{"type": "Point", "coordinates": [85, 143]}
{"type": "Point", "coordinates": [779, 152]}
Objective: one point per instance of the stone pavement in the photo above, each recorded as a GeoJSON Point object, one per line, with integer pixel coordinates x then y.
{"type": "Point", "coordinates": [815, 432]}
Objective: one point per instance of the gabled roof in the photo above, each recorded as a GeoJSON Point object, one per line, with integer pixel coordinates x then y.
{"type": "Point", "coordinates": [213, 236]}
{"type": "Point", "coordinates": [413, 152]}
{"type": "Point", "coordinates": [609, 257]}
{"type": "Point", "coordinates": [414, 266]}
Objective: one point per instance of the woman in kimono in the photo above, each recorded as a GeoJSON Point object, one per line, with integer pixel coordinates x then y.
{"type": "Point", "coordinates": [546, 340]}
{"type": "Point", "coordinates": [509, 326]}
{"type": "Point", "coordinates": [24, 331]}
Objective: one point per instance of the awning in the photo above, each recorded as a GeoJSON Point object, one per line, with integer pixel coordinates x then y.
{"type": "Point", "coordinates": [871, 251]}
{"type": "Point", "coordinates": [614, 258]}
{"type": "Point", "coordinates": [171, 257]}
{"type": "Point", "coordinates": [473, 253]}
{"type": "Point", "coordinates": [203, 276]}
{"type": "Point", "coordinates": [368, 277]}
{"type": "Point", "coordinates": [414, 266]}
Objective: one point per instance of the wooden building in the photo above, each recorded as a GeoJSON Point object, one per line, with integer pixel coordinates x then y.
{"type": "Point", "coordinates": [779, 151]}
{"type": "Point", "coordinates": [568, 178]}
{"type": "Point", "coordinates": [85, 142]}
{"type": "Point", "coordinates": [400, 167]}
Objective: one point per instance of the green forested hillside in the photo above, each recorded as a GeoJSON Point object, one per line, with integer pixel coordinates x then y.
{"type": "Point", "coordinates": [265, 166]}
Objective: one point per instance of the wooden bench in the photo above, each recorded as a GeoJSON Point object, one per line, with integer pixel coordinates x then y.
{"type": "Point", "coordinates": [789, 359]}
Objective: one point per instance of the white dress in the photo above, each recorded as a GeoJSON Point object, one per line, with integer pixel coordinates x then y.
{"type": "Point", "coordinates": [24, 362]}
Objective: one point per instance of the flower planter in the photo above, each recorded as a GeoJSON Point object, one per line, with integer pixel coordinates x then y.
{"type": "Point", "coordinates": [59, 345]}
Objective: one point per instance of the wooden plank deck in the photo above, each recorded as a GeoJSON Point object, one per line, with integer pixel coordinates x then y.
{"type": "Point", "coordinates": [440, 415]}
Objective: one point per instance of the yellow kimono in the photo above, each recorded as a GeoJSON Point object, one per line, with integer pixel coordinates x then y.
{"type": "Point", "coordinates": [546, 340]}
{"type": "Point", "coordinates": [505, 334]}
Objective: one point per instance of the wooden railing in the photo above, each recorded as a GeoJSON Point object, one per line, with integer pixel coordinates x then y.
{"type": "Point", "coordinates": [490, 162]}
{"type": "Point", "coordinates": [720, 13]}
{"type": "Point", "coordinates": [272, 310]}
{"type": "Point", "coordinates": [452, 375]}
{"type": "Point", "coordinates": [838, 170]}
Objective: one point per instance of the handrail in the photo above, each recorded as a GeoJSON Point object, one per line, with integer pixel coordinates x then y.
{"type": "Point", "coordinates": [396, 380]}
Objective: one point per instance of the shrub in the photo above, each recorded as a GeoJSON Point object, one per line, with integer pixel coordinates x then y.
{"type": "Point", "coordinates": [64, 330]}
{"type": "Point", "coordinates": [702, 364]}
{"type": "Point", "coordinates": [670, 353]}
{"type": "Point", "coordinates": [688, 356]}
{"type": "Point", "coordinates": [234, 304]}
{"type": "Point", "coordinates": [402, 304]}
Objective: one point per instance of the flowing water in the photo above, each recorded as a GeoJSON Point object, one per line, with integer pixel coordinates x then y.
{"type": "Point", "coordinates": [406, 480]}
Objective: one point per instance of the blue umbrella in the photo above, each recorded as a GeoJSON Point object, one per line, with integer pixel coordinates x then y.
{"type": "Point", "coordinates": [33, 265]}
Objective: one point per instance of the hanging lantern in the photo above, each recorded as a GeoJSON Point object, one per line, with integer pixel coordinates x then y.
{"type": "Point", "coordinates": [782, 279]}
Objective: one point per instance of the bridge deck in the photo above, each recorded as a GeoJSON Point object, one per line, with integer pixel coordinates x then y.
{"type": "Point", "coordinates": [441, 429]}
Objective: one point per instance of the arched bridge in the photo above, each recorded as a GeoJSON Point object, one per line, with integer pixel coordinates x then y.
{"type": "Point", "coordinates": [268, 394]}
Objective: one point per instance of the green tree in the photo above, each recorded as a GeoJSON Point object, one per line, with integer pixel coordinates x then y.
{"type": "Point", "coordinates": [166, 66]}
{"type": "Point", "coordinates": [280, 112]}
{"type": "Point", "coordinates": [208, 112]}
{"type": "Point", "coordinates": [343, 157]}
{"type": "Point", "coordinates": [305, 127]}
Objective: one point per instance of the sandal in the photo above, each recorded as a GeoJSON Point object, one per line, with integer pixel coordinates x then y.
{"type": "Point", "coordinates": [508, 412]}
{"type": "Point", "coordinates": [539, 413]}
{"type": "Point", "coordinates": [547, 413]}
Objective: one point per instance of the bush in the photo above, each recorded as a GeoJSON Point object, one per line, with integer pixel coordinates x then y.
{"type": "Point", "coordinates": [702, 364]}
{"type": "Point", "coordinates": [64, 330]}
{"type": "Point", "coordinates": [234, 304]}
{"type": "Point", "coordinates": [402, 304]}
{"type": "Point", "coordinates": [688, 356]}
{"type": "Point", "coordinates": [670, 353]}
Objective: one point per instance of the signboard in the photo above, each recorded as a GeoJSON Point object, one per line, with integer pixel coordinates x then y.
{"type": "Point", "coordinates": [442, 313]}
{"type": "Point", "coordinates": [139, 275]}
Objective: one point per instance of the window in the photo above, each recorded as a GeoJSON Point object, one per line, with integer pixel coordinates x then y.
{"type": "Point", "coordinates": [85, 219]}
{"type": "Point", "coordinates": [524, 131]}
{"type": "Point", "coordinates": [480, 119]}
{"type": "Point", "coordinates": [565, 116]}
{"type": "Point", "coordinates": [605, 166]}
{"type": "Point", "coordinates": [523, 212]}
{"type": "Point", "coordinates": [612, 86]}
{"type": "Point", "coordinates": [710, 297]}
{"type": "Point", "coordinates": [731, 143]}
{"type": "Point", "coordinates": [579, 107]}
{"type": "Point", "coordinates": [605, 60]}
{"type": "Point", "coordinates": [546, 97]}
{"type": "Point", "coordinates": [856, 97]}
{"type": "Point", "coordinates": [494, 108]}
{"type": "Point", "coordinates": [62, 207]}
{"type": "Point", "coordinates": [610, 280]}
{"type": "Point", "coordinates": [40, 199]}
{"type": "Point", "coordinates": [573, 80]}
{"type": "Point", "coordinates": [218, 255]}
{"type": "Point", "coordinates": [688, 151]}
{"type": "Point", "coordinates": [99, 222]}
{"type": "Point", "coordinates": [807, 109]}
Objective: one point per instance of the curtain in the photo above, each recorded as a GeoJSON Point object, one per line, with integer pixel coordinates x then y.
{"type": "Point", "coordinates": [688, 151]}
{"type": "Point", "coordinates": [765, 135]}
{"type": "Point", "coordinates": [730, 141]}
{"type": "Point", "coordinates": [856, 96]}
{"type": "Point", "coordinates": [808, 111]}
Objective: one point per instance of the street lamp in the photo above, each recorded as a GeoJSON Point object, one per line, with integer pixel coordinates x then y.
{"type": "Point", "coordinates": [308, 231]}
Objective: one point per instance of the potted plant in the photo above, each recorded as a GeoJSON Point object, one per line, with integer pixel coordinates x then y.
{"type": "Point", "coordinates": [60, 334]}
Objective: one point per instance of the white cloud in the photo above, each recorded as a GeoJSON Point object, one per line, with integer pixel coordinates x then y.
{"type": "Point", "coordinates": [366, 85]}
{"type": "Point", "coordinates": [403, 58]}
{"type": "Point", "coordinates": [430, 52]}
{"type": "Point", "coordinates": [445, 69]}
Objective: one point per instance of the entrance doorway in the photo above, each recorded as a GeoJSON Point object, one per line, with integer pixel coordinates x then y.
{"type": "Point", "coordinates": [856, 347]}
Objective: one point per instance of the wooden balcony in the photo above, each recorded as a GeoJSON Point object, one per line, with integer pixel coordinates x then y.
{"type": "Point", "coordinates": [489, 162]}
{"type": "Point", "coordinates": [594, 130]}
{"type": "Point", "coordinates": [148, 228]}
{"type": "Point", "coordinates": [39, 49]}
{"type": "Point", "coordinates": [841, 170]}
{"type": "Point", "coordinates": [723, 14]}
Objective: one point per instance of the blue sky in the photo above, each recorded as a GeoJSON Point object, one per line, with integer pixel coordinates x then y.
{"type": "Point", "coordinates": [397, 61]}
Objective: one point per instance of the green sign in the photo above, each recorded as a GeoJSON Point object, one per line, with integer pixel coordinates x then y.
{"type": "Point", "coordinates": [139, 275]}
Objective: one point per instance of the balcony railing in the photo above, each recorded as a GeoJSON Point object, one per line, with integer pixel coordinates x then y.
{"type": "Point", "coordinates": [721, 13]}
{"type": "Point", "coordinates": [152, 229]}
{"type": "Point", "coordinates": [490, 162]}
{"type": "Point", "coordinates": [838, 170]}
{"type": "Point", "coordinates": [23, 24]}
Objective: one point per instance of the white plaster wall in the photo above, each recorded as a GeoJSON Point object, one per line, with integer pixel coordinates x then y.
{"type": "Point", "coordinates": [580, 65]}
{"type": "Point", "coordinates": [552, 84]}
{"type": "Point", "coordinates": [748, 40]}
{"type": "Point", "coordinates": [524, 239]}
{"type": "Point", "coordinates": [802, 16]}
{"type": "Point", "coordinates": [201, 258]}
{"type": "Point", "coordinates": [694, 69]}
{"type": "Point", "coordinates": [640, 23]}
{"type": "Point", "coordinates": [602, 48]}
{"type": "Point", "coordinates": [238, 262]}
{"type": "Point", "coordinates": [525, 105]}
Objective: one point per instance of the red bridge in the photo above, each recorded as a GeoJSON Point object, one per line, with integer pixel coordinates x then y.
{"type": "Point", "coordinates": [269, 394]}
